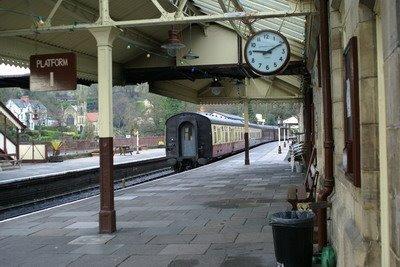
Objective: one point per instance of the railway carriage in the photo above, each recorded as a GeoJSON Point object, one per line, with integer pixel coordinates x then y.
{"type": "Point", "coordinates": [197, 138]}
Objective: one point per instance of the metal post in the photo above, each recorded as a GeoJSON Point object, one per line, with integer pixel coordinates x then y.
{"type": "Point", "coordinates": [105, 38]}
{"type": "Point", "coordinates": [284, 136]}
{"type": "Point", "coordinates": [5, 135]}
{"type": "Point", "coordinates": [137, 142]}
{"type": "Point", "coordinates": [246, 132]}
{"type": "Point", "coordinates": [279, 140]}
{"type": "Point", "coordinates": [17, 146]}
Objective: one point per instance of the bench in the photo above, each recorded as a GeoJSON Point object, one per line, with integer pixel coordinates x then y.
{"type": "Point", "coordinates": [306, 192]}
{"type": "Point", "coordinates": [125, 149]}
{"type": "Point", "coordinates": [297, 153]}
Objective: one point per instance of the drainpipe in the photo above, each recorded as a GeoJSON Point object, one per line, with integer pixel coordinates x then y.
{"type": "Point", "coordinates": [328, 135]}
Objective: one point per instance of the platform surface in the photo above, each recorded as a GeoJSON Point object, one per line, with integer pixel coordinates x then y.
{"type": "Point", "coordinates": [29, 170]}
{"type": "Point", "coordinates": [215, 215]}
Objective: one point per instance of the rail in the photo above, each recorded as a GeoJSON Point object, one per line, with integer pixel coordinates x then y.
{"type": "Point", "coordinates": [27, 191]}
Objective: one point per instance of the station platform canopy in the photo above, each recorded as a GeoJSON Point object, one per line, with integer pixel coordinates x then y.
{"type": "Point", "coordinates": [215, 31]}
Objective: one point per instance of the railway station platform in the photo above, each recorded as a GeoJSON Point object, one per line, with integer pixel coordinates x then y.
{"type": "Point", "coordinates": [215, 215]}
{"type": "Point", "coordinates": [32, 171]}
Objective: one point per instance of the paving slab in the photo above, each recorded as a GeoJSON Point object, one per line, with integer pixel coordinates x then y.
{"type": "Point", "coordinates": [103, 249]}
{"type": "Point", "coordinates": [92, 240]}
{"type": "Point", "coordinates": [181, 249]}
{"type": "Point", "coordinates": [215, 215]}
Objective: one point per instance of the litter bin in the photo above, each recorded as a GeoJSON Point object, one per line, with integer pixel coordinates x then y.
{"type": "Point", "coordinates": [293, 237]}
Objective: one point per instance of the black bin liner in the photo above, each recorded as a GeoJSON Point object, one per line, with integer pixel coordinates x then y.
{"type": "Point", "coordinates": [293, 237]}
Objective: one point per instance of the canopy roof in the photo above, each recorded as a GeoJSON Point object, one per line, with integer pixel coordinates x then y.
{"type": "Point", "coordinates": [49, 26]}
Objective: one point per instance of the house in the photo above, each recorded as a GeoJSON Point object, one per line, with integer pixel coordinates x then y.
{"type": "Point", "coordinates": [52, 122]}
{"type": "Point", "coordinates": [93, 119]}
{"type": "Point", "coordinates": [31, 112]}
{"type": "Point", "coordinates": [75, 115]}
{"type": "Point", "coordinates": [260, 119]}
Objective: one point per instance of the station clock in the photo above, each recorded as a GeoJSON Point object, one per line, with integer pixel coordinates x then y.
{"type": "Point", "coordinates": [267, 52]}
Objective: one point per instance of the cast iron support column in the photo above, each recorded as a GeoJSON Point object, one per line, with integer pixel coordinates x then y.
{"type": "Point", "coordinates": [105, 37]}
{"type": "Point", "coordinates": [327, 108]}
{"type": "Point", "coordinates": [246, 132]}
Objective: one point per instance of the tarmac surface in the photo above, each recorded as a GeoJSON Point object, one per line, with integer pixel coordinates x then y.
{"type": "Point", "coordinates": [30, 171]}
{"type": "Point", "coordinates": [215, 215]}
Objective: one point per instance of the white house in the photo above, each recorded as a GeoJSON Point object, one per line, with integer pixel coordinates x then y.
{"type": "Point", "coordinates": [75, 115]}
{"type": "Point", "coordinates": [30, 112]}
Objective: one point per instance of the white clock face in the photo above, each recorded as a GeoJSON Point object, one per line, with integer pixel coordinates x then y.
{"type": "Point", "coordinates": [267, 52]}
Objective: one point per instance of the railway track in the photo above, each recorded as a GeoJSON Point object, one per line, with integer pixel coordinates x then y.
{"type": "Point", "coordinates": [24, 196]}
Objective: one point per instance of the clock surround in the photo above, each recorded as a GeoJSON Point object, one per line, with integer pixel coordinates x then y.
{"type": "Point", "coordinates": [260, 37]}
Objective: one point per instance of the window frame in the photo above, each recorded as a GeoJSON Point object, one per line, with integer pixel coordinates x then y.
{"type": "Point", "coordinates": [351, 114]}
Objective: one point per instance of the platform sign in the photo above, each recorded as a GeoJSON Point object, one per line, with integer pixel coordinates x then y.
{"type": "Point", "coordinates": [53, 72]}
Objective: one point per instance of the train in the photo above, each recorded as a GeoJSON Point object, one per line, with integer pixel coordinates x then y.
{"type": "Point", "coordinates": [194, 139]}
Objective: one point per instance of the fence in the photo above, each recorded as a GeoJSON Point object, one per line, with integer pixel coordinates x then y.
{"type": "Point", "coordinates": [78, 146]}
{"type": "Point", "coordinates": [81, 146]}
{"type": "Point", "coordinates": [145, 141]}
{"type": "Point", "coordinates": [33, 152]}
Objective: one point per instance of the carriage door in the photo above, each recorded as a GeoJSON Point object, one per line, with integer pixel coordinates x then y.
{"type": "Point", "coordinates": [187, 139]}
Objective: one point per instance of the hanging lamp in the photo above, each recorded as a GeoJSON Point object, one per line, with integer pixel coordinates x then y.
{"type": "Point", "coordinates": [190, 55]}
{"type": "Point", "coordinates": [173, 44]}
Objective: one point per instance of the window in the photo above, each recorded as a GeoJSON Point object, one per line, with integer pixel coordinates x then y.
{"type": "Point", "coordinates": [187, 133]}
{"type": "Point", "coordinates": [214, 134]}
{"type": "Point", "coordinates": [351, 153]}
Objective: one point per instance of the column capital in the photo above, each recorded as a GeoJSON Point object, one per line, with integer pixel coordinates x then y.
{"type": "Point", "coordinates": [105, 36]}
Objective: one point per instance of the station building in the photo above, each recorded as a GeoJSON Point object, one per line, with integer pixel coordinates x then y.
{"type": "Point", "coordinates": [345, 69]}
{"type": "Point", "coordinates": [364, 140]}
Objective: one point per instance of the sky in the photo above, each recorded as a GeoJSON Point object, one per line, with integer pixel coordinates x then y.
{"type": "Point", "coordinates": [6, 70]}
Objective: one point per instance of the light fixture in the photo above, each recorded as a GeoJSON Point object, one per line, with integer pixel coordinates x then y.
{"type": "Point", "coordinates": [190, 55]}
{"type": "Point", "coordinates": [239, 84]}
{"type": "Point", "coordinates": [174, 44]}
{"type": "Point", "coordinates": [128, 46]}
{"type": "Point", "coordinates": [39, 21]}
{"type": "Point", "coordinates": [216, 87]}
{"type": "Point", "coordinates": [148, 55]}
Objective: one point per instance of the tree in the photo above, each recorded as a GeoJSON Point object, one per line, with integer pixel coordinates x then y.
{"type": "Point", "coordinates": [88, 132]}
{"type": "Point", "coordinates": [81, 93]}
{"type": "Point", "coordinates": [252, 115]}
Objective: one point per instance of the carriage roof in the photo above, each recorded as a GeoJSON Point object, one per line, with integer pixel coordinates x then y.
{"type": "Point", "coordinates": [226, 119]}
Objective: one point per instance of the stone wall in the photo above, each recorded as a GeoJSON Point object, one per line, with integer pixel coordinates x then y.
{"type": "Point", "coordinates": [354, 226]}
{"type": "Point", "coordinates": [390, 10]}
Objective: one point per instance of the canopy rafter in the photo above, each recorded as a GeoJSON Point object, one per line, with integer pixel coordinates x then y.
{"type": "Point", "coordinates": [163, 21]}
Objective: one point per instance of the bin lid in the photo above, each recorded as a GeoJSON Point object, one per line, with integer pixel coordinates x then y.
{"type": "Point", "coordinates": [298, 219]}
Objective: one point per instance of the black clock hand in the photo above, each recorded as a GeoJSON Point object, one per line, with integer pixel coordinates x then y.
{"type": "Point", "coordinates": [260, 51]}
{"type": "Point", "coordinates": [269, 51]}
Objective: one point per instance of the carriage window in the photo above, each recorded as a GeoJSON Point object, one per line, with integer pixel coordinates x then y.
{"type": "Point", "coordinates": [188, 133]}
